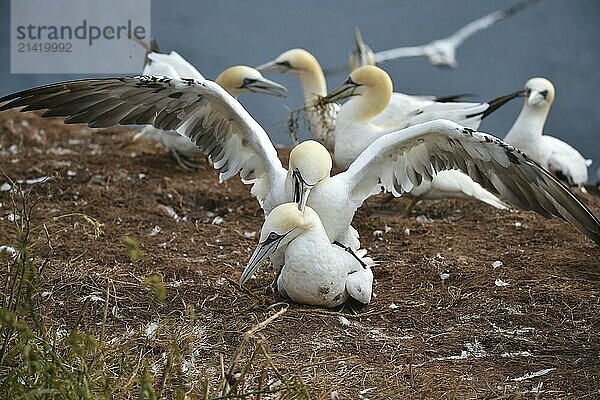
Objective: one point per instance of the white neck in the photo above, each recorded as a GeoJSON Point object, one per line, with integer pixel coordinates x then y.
{"type": "Point", "coordinates": [530, 122]}
{"type": "Point", "coordinates": [313, 82]}
{"type": "Point", "coordinates": [311, 241]}
{"type": "Point", "coordinates": [362, 108]}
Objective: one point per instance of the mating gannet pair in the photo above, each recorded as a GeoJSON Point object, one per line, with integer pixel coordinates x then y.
{"type": "Point", "coordinates": [236, 143]}
{"type": "Point", "coordinates": [552, 153]}
{"type": "Point", "coordinates": [236, 80]}
{"type": "Point", "coordinates": [315, 271]}
{"type": "Point", "coordinates": [441, 52]}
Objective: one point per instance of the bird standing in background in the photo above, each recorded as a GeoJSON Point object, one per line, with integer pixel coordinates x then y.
{"type": "Point", "coordinates": [527, 134]}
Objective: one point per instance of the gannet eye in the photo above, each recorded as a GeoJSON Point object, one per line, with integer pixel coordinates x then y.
{"type": "Point", "coordinates": [285, 64]}
{"type": "Point", "coordinates": [349, 81]}
{"type": "Point", "coordinates": [273, 236]}
{"type": "Point", "coordinates": [544, 93]}
{"type": "Point", "coordinates": [248, 82]}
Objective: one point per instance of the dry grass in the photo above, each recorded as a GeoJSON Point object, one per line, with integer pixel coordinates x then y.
{"type": "Point", "coordinates": [299, 120]}
{"type": "Point", "coordinates": [141, 312]}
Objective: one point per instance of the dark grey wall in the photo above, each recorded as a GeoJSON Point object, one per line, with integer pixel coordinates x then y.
{"type": "Point", "coordinates": [557, 39]}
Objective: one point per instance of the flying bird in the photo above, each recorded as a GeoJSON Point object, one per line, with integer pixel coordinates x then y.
{"type": "Point", "coordinates": [441, 52]}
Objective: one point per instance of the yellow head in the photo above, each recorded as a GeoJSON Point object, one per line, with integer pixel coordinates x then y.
{"type": "Point", "coordinates": [374, 87]}
{"type": "Point", "coordinates": [242, 79]}
{"type": "Point", "coordinates": [294, 60]}
{"type": "Point", "coordinates": [313, 161]}
{"type": "Point", "coordinates": [310, 163]}
{"type": "Point", "coordinates": [282, 225]}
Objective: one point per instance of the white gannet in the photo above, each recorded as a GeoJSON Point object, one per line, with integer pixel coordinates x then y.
{"type": "Point", "coordinates": [315, 271]}
{"type": "Point", "coordinates": [441, 52]}
{"type": "Point", "coordinates": [236, 143]}
{"type": "Point", "coordinates": [236, 80]}
{"type": "Point", "coordinates": [552, 153]}
{"type": "Point", "coordinates": [322, 115]}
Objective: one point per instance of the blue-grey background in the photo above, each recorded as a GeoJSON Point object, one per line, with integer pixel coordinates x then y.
{"type": "Point", "coordinates": [557, 39]}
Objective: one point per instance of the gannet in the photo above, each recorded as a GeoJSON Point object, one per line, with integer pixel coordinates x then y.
{"type": "Point", "coordinates": [315, 271]}
{"type": "Point", "coordinates": [236, 80]}
{"type": "Point", "coordinates": [399, 107]}
{"type": "Point", "coordinates": [552, 153]}
{"type": "Point", "coordinates": [236, 143]}
{"type": "Point", "coordinates": [369, 90]}
{"type": "Point", "coordinates": [441, 52]}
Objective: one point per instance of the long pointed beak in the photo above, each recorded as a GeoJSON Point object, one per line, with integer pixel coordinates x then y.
{"type": "Point", "coordinates": [267, 86]}
{"type": "Point", "coordinates": [304, 191]}
{"type": "Point", "coordinates": [301, 190]}
{"type": "Point", "coordinates": [273, 67]}
{"type": "Point", "coordinates": [345, 90]}
{"type": "Point", "coordinates": [535, 97]}
{"type": "Point", "coordinates": [262, 252]}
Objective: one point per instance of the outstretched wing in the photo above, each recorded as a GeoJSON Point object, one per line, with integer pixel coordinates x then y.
{"type": "Point", "coordinates": [401, 159]}
{"type": "Point", "coordinates": [398, 52]}
{"type": "Point", "coordinates": [458, 37]}
{"type": "Point", "coordinates": [486, 21]}
{"type": "Point", "coordinates": [200, 110]}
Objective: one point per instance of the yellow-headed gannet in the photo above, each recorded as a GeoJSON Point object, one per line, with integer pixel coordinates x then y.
{"type": "Point", "coordinates": [236, 143]}
{"type": "Point", "coordinates": [369, 90]}
{"type": "Point", "coordinates": [315, 271]}
{"type": "Point", "coordinates": [552, 153]}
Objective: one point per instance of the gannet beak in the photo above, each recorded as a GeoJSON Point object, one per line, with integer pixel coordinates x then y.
{"type": "Point", "coordinates": [264, 85]}
{"type": "Point", "coordinates": [301, 189]}
{"type": "Point", "coordinates": [345, 90]}
{"type": "Point", "coordinates": [262, 252]}
{"type": "Point", "coordinates": [274, 67]}
{"type": "Point", "coordinates": [536, 97]}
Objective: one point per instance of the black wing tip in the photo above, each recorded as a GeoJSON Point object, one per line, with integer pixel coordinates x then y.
{"type": "Point", "coordinates": [496, 103]}
{"type": "Point", "coordinates": [454, 98]}
{"type": "Point", "coordinates": [520, 6]}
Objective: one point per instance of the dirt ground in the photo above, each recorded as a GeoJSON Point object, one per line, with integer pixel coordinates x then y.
{"type": "Point", "coordinates": [527, 329]}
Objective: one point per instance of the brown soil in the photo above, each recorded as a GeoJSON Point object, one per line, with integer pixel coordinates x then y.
{"type": "Point", "coordinates": [420, 337]}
